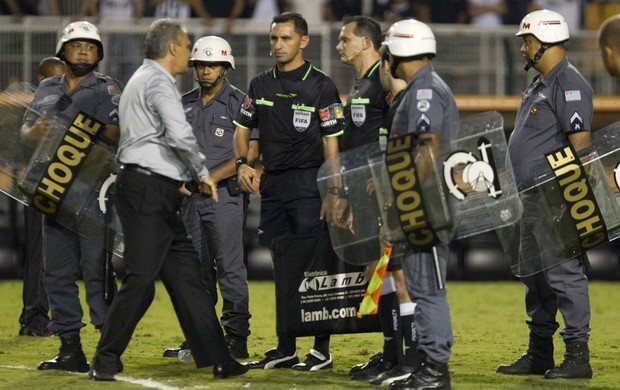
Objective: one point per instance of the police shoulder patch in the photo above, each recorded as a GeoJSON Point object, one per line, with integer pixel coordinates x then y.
{"type": "Point", "coordinates": [572, 95]}
{"type": "Point", "coordinates": [576, 122]}
{"type": "Point", "coordinates": [423, 124]}
{"type": "Point", "coordinates": [424, 94]}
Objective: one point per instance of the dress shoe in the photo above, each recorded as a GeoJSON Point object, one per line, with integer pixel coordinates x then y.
{"type": "Point", "coordinates": [229, 368]}
{"type": "Point", "coordinates": [101, 376]}
{"type": "Point", "coordinates": [174, 352]}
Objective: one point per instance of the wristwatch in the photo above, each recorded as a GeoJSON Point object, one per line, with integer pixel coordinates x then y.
{"type": "Point", "coordinates": [240, 161]}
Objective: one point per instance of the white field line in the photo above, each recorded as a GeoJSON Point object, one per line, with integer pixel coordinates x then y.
{"type": "Point", "coordinates": [149, 383]}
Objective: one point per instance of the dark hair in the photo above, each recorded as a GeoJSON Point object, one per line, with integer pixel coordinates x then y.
{"type": "Point", "coordinates": [384, 53]}
{"type": "Point", "coordinates": [47, 65]}
{"type": "Point", "coordinates": [160, 35]}
{"type": "Point", "coordinates": [609, 33]}
{"type": "Point", "coordinates": [365, 27]}
{"type": "Point", "coordinates": [301, 26]}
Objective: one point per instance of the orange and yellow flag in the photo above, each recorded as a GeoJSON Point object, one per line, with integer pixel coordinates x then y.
{"type": "Point", "coordinates": [370, 302]}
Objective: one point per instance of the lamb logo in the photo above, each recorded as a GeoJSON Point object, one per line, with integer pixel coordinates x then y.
{"type": "Point", "coordinates": [479, 174]}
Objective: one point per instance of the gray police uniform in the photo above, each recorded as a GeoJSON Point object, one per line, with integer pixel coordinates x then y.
{"type": "Point", "coordinates": [219, 223]}
{"type": "Point", "coordinates": [550, 109]}
{"type": "Point", "coordinates": [428, 106]}
{"type": "Point", "coordinates": [67, 256]}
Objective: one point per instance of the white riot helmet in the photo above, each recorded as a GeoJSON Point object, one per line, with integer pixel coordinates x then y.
{"type": "Point", "coordinates": [408, 38]}
{"type": "Point", "coordinates": [212, 49]}
{"type": "Point", "coordinates": [546, 26]}
{"type": "Point", "coordinates": [79, 30]}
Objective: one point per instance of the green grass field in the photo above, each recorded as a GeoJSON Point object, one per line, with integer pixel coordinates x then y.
{"type": "Point", "coordinates": [488, 321]}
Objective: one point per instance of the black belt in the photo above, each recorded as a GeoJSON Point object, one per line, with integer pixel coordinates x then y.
{"type": "Point", "coordinates": [144, 171]}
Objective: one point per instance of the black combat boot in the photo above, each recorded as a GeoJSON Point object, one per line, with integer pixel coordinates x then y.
{"type": "Point", "coordinates": [431, 375]}
{"type": "Point", "coordinates": [576, 363]}
{"type": "Point", "coordinates": [537, 360]}
{"type": "Point", "coordinates": [70, 358]}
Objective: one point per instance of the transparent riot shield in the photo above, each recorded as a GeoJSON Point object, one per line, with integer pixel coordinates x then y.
{"type": "Point", "coordinates": [64, 171]}
{"type": "Point", "coordinates": [570, 206]}
{"type": "Point", "coordinates": [479, 177]}
{"type": "Point", "coordinates": [355, 237]}
{"type": "Point", "coordinates": [465, 190]}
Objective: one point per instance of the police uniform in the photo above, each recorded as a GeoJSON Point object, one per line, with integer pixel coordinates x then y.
{"type": "Point", "coordinates": [551, 109]}
{"type": "Point", "coordinates": [220, 223]}
{"type": "Point", "coordinates": [67, 256]}
{"type": "Point", "coordinates": [428, 106]}
{"type": "Point", "coordinates": [293, 111]}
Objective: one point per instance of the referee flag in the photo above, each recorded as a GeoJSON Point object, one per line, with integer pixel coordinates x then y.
{"type": "Point", "coordinates": [373, 291]}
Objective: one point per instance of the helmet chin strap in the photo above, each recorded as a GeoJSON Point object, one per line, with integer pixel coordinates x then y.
{"type": "Point", "coordinates": [80, 70]}
{"type": "Point", "coordinates": [209, 86]}
{"type": "Point", "coordinates": [533, 61]}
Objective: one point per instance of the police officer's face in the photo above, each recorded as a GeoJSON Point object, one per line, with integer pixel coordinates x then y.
{"type": "Point", "coordinates": [529, 47]}
{"type": "Point", "coordinates": [349, 44]}
{"type": "Point", "coordinates": [286, 43]}
{"type": "Point", "coordinates": [210, 72]}
{"type": "Point", "coordinates": [81, 52]}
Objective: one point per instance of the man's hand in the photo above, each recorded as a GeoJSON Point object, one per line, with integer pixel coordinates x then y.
{"type": "Point", "coordinates": [208, 188]}
{"type": "Point", "coordinates": [248, 179]}
{"type": "Point", "coordinates": [185, 191]}
{"type": "Point", "coordinates": [327, 207]}
{"type": "Point", "coordinates": [32, 135]}
{"type": "Point", "coordinates": [341, 215]}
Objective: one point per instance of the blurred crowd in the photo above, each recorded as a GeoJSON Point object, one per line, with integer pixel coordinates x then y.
{"type": "Point", "coordinates": [483, 13]}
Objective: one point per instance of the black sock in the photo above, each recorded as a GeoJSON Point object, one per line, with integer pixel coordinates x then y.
{"type": "Point", "coordinates": [389, 314]}
{"type": "Point", "coordinates": [410, 335]}
{"type": "Point", "coordinates": [287, 345]}
{"type": "Point", "coordinates": [321, 344]}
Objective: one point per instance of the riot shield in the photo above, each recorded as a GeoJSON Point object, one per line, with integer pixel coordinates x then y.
{"type": "Point", "coordinates": [64, 172]}
{"type": "Point", "coordinates": [570, 206]}
{"type": "Point", "coordinates": [466, 190]}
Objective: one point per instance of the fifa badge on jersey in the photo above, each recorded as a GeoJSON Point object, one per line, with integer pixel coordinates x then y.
{"type": "Point", "coordinates": [358, 114]}
{"type": "Point", "coordinates": [301, 120]}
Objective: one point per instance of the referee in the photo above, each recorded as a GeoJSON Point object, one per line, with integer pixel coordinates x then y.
{"type": "Point", "coordinates": [298, 113]}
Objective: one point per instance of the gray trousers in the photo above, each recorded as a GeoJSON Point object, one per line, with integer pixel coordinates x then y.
{"type": "Point", "coordinates": [217, 233]}
{"type": "Point", "coordinates": [563, 287]}
{"type": "Point", "coordinates": [432, 314]}
{"type": "Point", "coordinates": [561, 284]}
{"type": "Point", "coordinates": [67, 257]}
